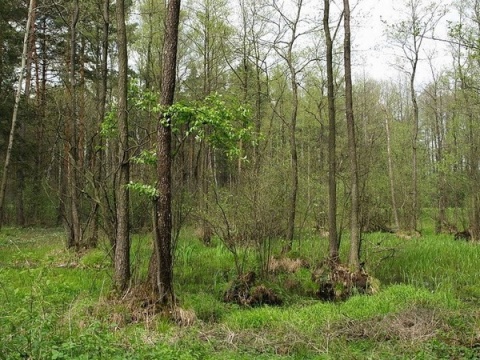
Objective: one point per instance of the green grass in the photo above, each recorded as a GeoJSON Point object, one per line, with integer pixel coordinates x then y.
{"type": "Point", "coordinates": [56, 304]}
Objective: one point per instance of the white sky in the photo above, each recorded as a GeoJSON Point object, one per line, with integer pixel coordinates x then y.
{"type": "Point", "coordinates": [373, 55]}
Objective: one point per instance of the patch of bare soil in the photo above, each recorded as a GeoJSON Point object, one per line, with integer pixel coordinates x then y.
{"type": "Point", "coordinates": [337, 282]}
{"type": "Point", "coordinates": [411, 325]}
{"type": "Point", "coordinates": [243, 291]}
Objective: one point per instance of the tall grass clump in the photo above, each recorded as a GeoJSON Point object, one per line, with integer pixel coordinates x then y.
{"type": "Point", "coordinates": [434, 262]}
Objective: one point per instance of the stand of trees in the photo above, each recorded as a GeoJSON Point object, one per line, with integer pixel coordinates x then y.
{"type": "Point", "coordinates": [127, 106]}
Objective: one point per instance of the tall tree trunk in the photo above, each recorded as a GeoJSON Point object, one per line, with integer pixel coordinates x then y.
{"type": "Point", "coordinates": [334, 243]}
{"type": "Point", "coordinates": [122, 245]}
{"type": "Point", "coordinates": [414, 215]}
{"type": "Point", "coordinates": [293, 155]}
{"type": "Point", "coordinates": [289, 58]}
{"type": "Point", "coordinates": [41, 64]}
{"type": "Point", "coordinates": [99, 203]}
{"type": "Point", "coordinates": [72, 162]}
{"type": "Point", "coordinates": [163, 203]}
{"type": "Point", "coordinates": [11, 139]}
{"type": "Point", "coordinates": [20, 181]}
{"type": "Point", "coordinates": [354, 257]}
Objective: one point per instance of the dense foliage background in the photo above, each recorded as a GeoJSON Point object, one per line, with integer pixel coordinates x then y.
{"type": "Point", "coordinates": [245, 53]}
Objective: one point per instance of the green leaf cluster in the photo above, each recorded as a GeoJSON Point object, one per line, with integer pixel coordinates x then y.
{"type": "Point", "coordinates": [222, 123]}
{"type": "Point", "coordinates": [143, 189]}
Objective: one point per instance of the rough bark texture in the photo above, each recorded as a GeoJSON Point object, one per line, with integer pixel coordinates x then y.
{"type": "Point", "coordinates": [354, 257]}
{"type": "Point", "coordinates": [163, 205]}
{"type": "Point", "coordinates": [122, 245]}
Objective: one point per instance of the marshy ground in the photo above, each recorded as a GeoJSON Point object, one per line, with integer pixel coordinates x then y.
{"type": "Point", "coordinates": [57, 304]}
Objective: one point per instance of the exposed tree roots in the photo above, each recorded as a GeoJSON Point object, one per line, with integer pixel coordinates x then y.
{"type": "Point", "coordinates": [337, 282]}
{"type": "Point", "coordinates": [244, 292]}
{"type": "Point", "coordinates": [463, 235]}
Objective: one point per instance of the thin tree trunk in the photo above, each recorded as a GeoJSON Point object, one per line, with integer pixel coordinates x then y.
{"type": "Point", "coordinates": [99, 204]}
{"type": "Point", "coordinates": [439, 135]}
{"type": "Point", "coordinates": [354, 257]}
{"type": "Point", "coordinates": [20, 206]}
{"type": "Point", "coordinates": [334, 243]}
{"type": "Point", "coordinates": [414, 218]}
{"type": "Point", "coordinates": [293, 130]}
{"type": "Point", "coordinates": [41, 64]}
{"type": "Point", "coordinates": [294, 160]}
{"type": "Point", "coordinates": [101, 166]}
{"type": "Point", "coordinates": [72, 169]}
{"type": "Point", "coordinates": [11, 139]}
{"type": "Point", "coordinates": [122, 245]}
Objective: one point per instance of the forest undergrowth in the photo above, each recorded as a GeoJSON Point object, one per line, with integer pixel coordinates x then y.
{"type": "Point", "coordinates": [58, 304]}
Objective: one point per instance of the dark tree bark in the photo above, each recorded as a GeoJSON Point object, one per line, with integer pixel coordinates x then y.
{"type": "Point", "coordinates": [334, 243]}
{"type": "Point", "coordinates": [163, 203]}
{"type": "Point", "coordinates": [354, 257]}
{"type": "Point", "coordinates": [73, 198]}
{"type": "Point", "coordinates": [122, 244]}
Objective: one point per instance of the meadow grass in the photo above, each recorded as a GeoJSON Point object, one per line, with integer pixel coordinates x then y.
{"type": "Point", "coordinates": [57, 304]}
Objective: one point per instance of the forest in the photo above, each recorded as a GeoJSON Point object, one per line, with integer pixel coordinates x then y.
{"type": "Point", "coordinates": [222, 179]}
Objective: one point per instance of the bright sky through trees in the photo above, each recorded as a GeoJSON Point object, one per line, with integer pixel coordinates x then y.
{"type": "Point", "coordinates": [372, 53]}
